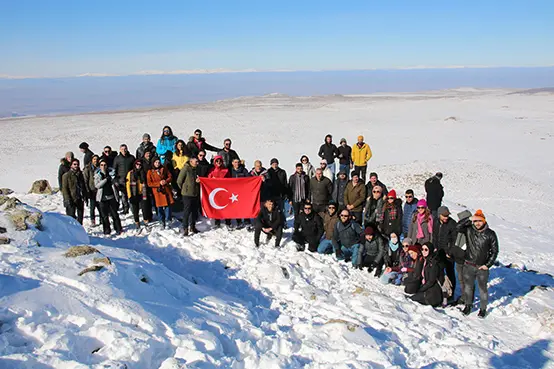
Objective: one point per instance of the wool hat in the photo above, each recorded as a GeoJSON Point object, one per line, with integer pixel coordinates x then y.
{"type": "Point", "coordinates": [407, 241]}
{"type": "Point", "coordinates": [146, 135]}
{"type": "Point", "coordinates": [83, 145]}
{"type": "Point", "coordinates": [138, 161]}
{"type": "Point", "coordinates": [438, 175]}
{"type": "Point", "coordinates": [415, 248]}
{"type": "Point", "coordinates": [422, 203]}
{"type": "Point", "coordinates": [342, 140]}
{"type": "Point", "coordinates": [274, 161]}
{"type": "Point", "coordinates": [443, 210]}
{"type": "Point", "coordinates": [360, 138]}
{"type": "Point", "coordinates": [369, 231]}
{"type": "Point", "coordinates": [392, 193]}
{"type": "Point", "coordinates": [354, 173]}
{"type": "Point", "coordinates": [479, 216]}
{"type": "Point", "coordinates": [218, 157]}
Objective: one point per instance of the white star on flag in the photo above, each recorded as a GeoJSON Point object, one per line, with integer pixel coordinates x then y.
{"type": "Point", "coordinates": [234, 198]}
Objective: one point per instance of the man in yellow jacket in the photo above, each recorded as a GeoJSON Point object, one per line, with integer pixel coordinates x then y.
{"type": "Point", "coordinates": [361, 153]}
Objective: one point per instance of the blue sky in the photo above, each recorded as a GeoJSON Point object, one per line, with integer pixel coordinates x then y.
{"type": "Point", "coordinates": [61, 37]}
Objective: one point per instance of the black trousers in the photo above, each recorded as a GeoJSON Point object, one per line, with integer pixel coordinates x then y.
{"type": "Point", "coordinates": [471, 274]}
{"type": "Point", "coordinates": [450, 268]}
{"type": "Point", "coordinates": [76, 210]}
{"type": "Point", "coordinates": [319, 208]}
{"type": "Point", "coordinates": [357, 217]}
{"type": "Point", "coordinates": [93, 206]}
{"type": "Point", "coordinates": [109, 208]}
{"type": "Point", "coordinates": [361, 170]}
{"type": "Point", "coordinates": [301, 239]}
{"type": "Point", "coordinates": [277, 233]}
{"type": "Point", "coordinates": [124, 198]}
{"type": "Point", "coordinates": [190, 211]}
{"type": "Point", "coordinates": [137, 203]}
{"type": "Point", "coordinates": [296, 207]}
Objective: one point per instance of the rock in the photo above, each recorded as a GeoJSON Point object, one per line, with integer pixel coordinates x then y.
{"type": "Point", "coordinates": [41, 187]}
{"type": "Point", "coordinates": [18, 218]}
{"type": "Point", "coordinates": [8, 203]}
{"type": "Point", "coordinates": [349, 325]}
{"type": "Point", "coordinates": [5, 191]}
{"type": "Point", "coordinates": [105, 260]}
{"type": "Point", "coordinates": [75, 251]}
{"type": "Point", "coordinates": [92, 268]}
{"type": "Point", "coordinates": [144, 279]}
{"type": "Point", "coordinates": [35, 220]}
{"type": "Point", "coordinates": [451, 119]}
{"type": "Point", "coordinates": [3, 230]}
{"type": "Point", "coordinates": [4, 240]}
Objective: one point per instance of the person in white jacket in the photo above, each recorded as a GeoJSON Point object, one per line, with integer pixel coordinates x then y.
{"type": "Point", "coordinates": [326, 170]}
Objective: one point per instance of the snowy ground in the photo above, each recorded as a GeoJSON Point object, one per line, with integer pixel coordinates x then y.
{"type": "Point", "coordinates": [214, 301]}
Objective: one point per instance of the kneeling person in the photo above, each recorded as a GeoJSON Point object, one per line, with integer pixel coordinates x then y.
{"type": "Point", "coordinates": [346, 238]}
{"type": "Point", "coordinates": [270, 221]}
{"type": "Point", "coordinates": [310, 229]}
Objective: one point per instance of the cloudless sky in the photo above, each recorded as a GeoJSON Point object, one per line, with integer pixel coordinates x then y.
{"type": "Point", "coordinates": [70, 37]}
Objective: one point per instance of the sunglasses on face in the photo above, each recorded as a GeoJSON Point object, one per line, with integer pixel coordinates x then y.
{"type": "Point", "coordinates": [392, 198]}
{"type": "Point", "coordinates": [332, 207]}
{"type": "Point", "coordinates": [307, 208]}
{"type": "Point", "coordinates": [107, 151]}
{"type": "Point", "coordinates": [344, 216]}
{"type": "Point", "coordinates": [166, 131]}
{"type": "Point", "coordinates": [138, 165]}
{"type": "Point", "coordinates": [405, 246]}
{"type": "Point", "coordinates": [421, 207]}
{"type": "Point", "coordinates": [219, 161]}
{"type": "Point", "coordinates": [304, 161]}
{"type": "Point", "coordinates": [197, 134]}
{"type": "Point", "coordinates": [409, 196]}
{"type": "Point", "coordinates": [102, 165]}
{"type": "Point", "coordinates": [425, 249]}
{"type": "Point", "coordinates": [376, 191]}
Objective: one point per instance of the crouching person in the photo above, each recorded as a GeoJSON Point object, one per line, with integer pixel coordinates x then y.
{"type": "Point", "coordinates": [429, 291]}
{"type": "Point", "coordinates": [330, 220]}
{"type": "Point", "coordinates": [397, 273]}
{"type": "Point", "coordinates": [371, 250]}
{"type": "Point", "coordinates": [346, 238]}
{"type": "Point", "coordinates": [269, 221]}
{"type": "Point", "coordinates": [310, 229]}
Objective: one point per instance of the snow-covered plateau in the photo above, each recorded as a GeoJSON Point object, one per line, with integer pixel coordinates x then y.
{"type": "Point", "coordinates": [215, 301]}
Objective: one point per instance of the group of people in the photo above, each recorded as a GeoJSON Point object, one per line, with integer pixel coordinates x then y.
{"type": "Point", "coordinates": [416, 244]}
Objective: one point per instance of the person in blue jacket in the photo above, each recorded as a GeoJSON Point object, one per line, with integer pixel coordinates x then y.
{"type": "Point", "coordinates": [410, 207]}
{"type": "Point", "coordinates": [166, 143]}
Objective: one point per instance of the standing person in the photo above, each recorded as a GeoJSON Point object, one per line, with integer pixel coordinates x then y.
{"type": "Point", "coordinates": [328, 152]}
{"type": "Point", "coordinates": [429, 292]}
{"type": "Point", "coordinates": [299, 186]}
{"type": "Point", "coordinates": [107, 197]}
{"type": "Point", "coordinates": [270, 222]}
{"type": "Point", "coordinates": [159, 180]}
{"type": "Point", "coordinates": [204, 165]}
{"type": "Point", "coordinates": [65, 166]}
{"type": "Point", "coordinates": [345, 157]}
{"type": "Point", "coordinates": [361, 153]}
{"type": "Point", "coordinates": [86, 151]}
{"type": "Point", "coordinates": [122, 164]}
{"type": "Point", "coordinates": [260, 171]}
{"type": "Point", "coordinates": [444, 239]}
{"type": "Point", "coordinates": [346, 238]}
{"type": "Point", "coordinates": [391, 216]}
{"type": "Point", "coordinates": [189, 183]}
{"type": "Point", "coordinates": [481, 253]}
{"type": "Point", "coordinates": [198, 143]}
{"type": "Point", "coordinates": [219, 171]}
{"type": "Point", "coordinates": [74, 191]}
{"type": "Point", "coordinates": [372, 250]}
{"type": "Point", "coordinates": [374, 206]}
{"type": "Point", "coordinates": [227, 153]}
{"type": "Point", "coordinates": [88, 175]}
{"type": "Point", "coordinates": [108, 156]}
{"type": "Point", "coordinates": [339, 188]}
{"type": "Point", "coordinates": [307, 166]}
{"type": "Point", "coordinates": [277, 186]}
{"type": "Point", "coordinates": [330, 220]}
{"type": "Point", "coordinates": [144, 146]}
{"type": "Point", "coordinates": [421, 227]}
{"type": "Point", "coordinates": [374, 181]}
{"type": "Point", "coordinates": [166, 143]}
{"type": "Point", "coordinates": [239, 171]}
{"type": "Point", "coordinates": [147, 161]}
{"type": "Point", "coordinates": [321, 191]}
{"type": "Point", "coordinates": [310, 229]}
{"type": "Point", "coordinates": [327, 172]}
{"type": "Point", "coordinates": [435, 193]}
{"type": "Point", "coordinates": [137, 192]}
{"type": "Point", "coordinates": [397, 274]}
{"type": "Point", "coordinates": [180, 157]}
{"type": "Point", "coordinates": [354, 197]}
{"type": "Point", "coordinates": [410, 207]}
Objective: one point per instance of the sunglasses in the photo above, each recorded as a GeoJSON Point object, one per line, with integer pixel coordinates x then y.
{"type": "Point", "coordinates": [409, 196]}
{"type": "Point", "coordinates": [376, 191]}
{"type": "Point", "coordinates": [424, 249]}
{"type": "Point", "coordinates": [107, 151]}
{"type": "Point", "coordinates": [138, 164]}
{"type": "Point", "coordinates": [166, 131]}
{"type": "Point", "coordinates": [343, 216]}
{"type": "Point", "coordinates": [201, 155]}
{"type": "Point", "coordinates": [307, 208]}
{"type": "Point", "coordinates": [103, 165]}
{"type": "Point", "coordinates": [197, 134]}
{"type": "Point", "coordinates": [332, 207]}
{"type": "Point", "coordinates": [405, 246]}
{"type": "Point", "coordinates": [304, 161]}
{"type": "Point", "coordinates": [421, 207]}
{"type": "Point", "coordinates": [392, 198]}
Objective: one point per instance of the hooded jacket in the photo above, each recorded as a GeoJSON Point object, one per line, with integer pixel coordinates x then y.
{"type": "Point", "coordinates": [482, 246]}
{"type": "Point", "coordinates": [329, 223]}
{"type": "Point", "coordinates": [430, 292]}
{"type": "Point", "coordinates": [142, 148]}
{"type": "Point", "coordinates": [321, 190]}
{"type": "Point", "coordinates": [203, 168]}
{"type": "Point", "coordinates": [308, 169]}
{"type": "Point", "coordinates": [373, 209]}
{"type": "Point", "coordinates": [88, 176]}
{"type": "Point", "coordinates": [344, 154]}
{"type": "Point", "coordinates": [65, 166]}
{"type": "Point", "coordinates": [105, 186]}
{"type": "Point", "coordinates": [361, 154]}
{"type": "Point", "coordinates": [435, 192]}
{"type": "Point", "coordinates": [346, 234]}
{"type": "Point", "coordinates": [165, 144]}
{"type": "Point", "coordinates": [218, 172]}
{"type": "Point", "coordinates": [136, 184]}
{"type": "Point", "coordinates": [328, 152]}
{"type": "Point", "coordinates": [444, 235]}
{"type": "Point", "coordinates": [374, 249]}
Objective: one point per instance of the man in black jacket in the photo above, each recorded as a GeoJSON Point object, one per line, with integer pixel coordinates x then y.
{"type": "Point", "coordinates": [329, 152]}
{"type": "Point", "coordinates": [108, 156]}
{"type": "Point", "coordinates": [435, 193]}
{"type": "Point", "coordinates": [480, 255]}
{"type": "Point", "coordinates": [299, 188]}
{"type": "Point", "coordinates": [374, 181]}
{"type": "Point", "coordinates": [321, 191]}
{"type": "Point", "coordinates": [444, 238]}
{"type": "Point", "coordinates": [310, 229]}
{"type": "Point", "coordinates": [228, 154]}
{"type": "Point", "coordinates": [145, 145]}
{"type": "Point", "coordinates": [198, 143]}
{"type": "Point", "coordinates": [88, 154]}
{"type": "Point", "coordinates": [345, 157]}
{"type": "Point", "coordinates": [270, 222]}
{"type": "Point", "coordinates": [277, 186]}
{"type": "Point", "coordinates": [122, 164]}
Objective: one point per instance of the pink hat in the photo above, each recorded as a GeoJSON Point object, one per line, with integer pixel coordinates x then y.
{"type": "Point", "coordinates": [422, 203]}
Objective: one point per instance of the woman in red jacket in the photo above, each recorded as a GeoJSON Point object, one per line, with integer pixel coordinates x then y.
{"type": "Point", "coordinates": [219, 171]}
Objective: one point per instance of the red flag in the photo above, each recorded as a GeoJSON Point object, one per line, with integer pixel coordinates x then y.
{"type": "Point", "coordinates": [230, 198]}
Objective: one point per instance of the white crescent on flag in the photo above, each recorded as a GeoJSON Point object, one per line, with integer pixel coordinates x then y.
{"type": "Point", "coordinates": [211, 198]}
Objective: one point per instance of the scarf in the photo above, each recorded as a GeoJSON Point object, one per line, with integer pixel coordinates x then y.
{"type": "Point", "coordinates": [198, 143]}
{"type": "Point", "coordinates": [393, 246]}
{"type": "Point", "coordinates": [299, 188]}
{"type": "Point", "coordinates": [360, 145]}
{"type": "Point", "coordinates": [420, 219]}
{"type": "Point", "coordinates": [423, 271]}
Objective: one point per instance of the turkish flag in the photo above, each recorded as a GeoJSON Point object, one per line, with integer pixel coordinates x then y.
{"type": "Point", "coordinates": [230, 198]}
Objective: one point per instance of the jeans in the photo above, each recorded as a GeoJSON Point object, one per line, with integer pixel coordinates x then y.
{"type": "Point", "coordinates": [392, 277]}
{"type": "Point", "coordinates": [472, 273]}
{"type": "Point", "coordinates": [109, 208]}
{"type": "Point", "coordinates": [361, 170]}
{"type": "Point", "coordinates": [460, 273]}
{"type": "Point", "coordinates": [124, 198]}
{"type": "Point", "coordinates": [164, 212]}
{"type": "Point", "coordinates": [345, 168]}
{"type": "Point", "coordinates": [190, 211]}
{"type": "Point", "coordinates": [93, 206]}
{"type": "Point", "coordinates": [331, 166]}
{"type": "Point", "coordinates": [325, 247]}
{"type": "Point", "coordinates": [76, 210]}
{"type": "Point", "coordinates": [352, 252]}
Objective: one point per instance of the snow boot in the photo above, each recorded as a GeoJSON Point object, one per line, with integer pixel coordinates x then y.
{"type": "Point", "coordinates": [467, 310]}
{"type": "Point", "coordinates": [482, 313]}
{"type": "Point", "coordinates": [193, 230]}
{"type": "Point", "coordinates": [300, 248]}
{"type": "Point", "coordinates": [185, 232]}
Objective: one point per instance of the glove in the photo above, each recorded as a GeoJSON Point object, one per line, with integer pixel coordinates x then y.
{"type": "Point", "coordinates": [67, 203]}
{"type": "Point", "coordinates": [404, 270]}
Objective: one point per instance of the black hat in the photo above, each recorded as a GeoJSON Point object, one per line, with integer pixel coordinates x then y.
{"type": "Point", "coordinates": [273, 161]}
{"type": "Point", "coordinates": [83, 145]}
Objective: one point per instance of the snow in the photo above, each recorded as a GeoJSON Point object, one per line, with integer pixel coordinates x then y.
{"type": "Point", "coordinates": [215, 301]}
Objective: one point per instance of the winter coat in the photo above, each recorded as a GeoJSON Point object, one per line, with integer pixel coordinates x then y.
{"type": "Point", "coordinates": [346, 234]}
{"type": "Point", "coordinates": [105, 186]}
{"type": "Point", "coordinates": [87, 158]}
{"type": "Point", "coordinates": [122, 165]}
{"type": "Point", "coordinates": [163, 195]}
{"type": "Point", "coordinates": [375, 249]}
{"type": "Point", "coordinates": [321, 190]}
{"type": "Point", "coordinates": [361, 155]}
{"type": "Point", "coordinates": [435, 193]}
{"type": "Point", "coordinates": [308, 169]}
{"type": "Point", "coordinates": [412, 232]}
{"type": "Point", "coordinates": [391, 218]}
{"type": "Point", "coordinates": [299, 187]}
{"type": "Point", "coordinates": [136, 184]}
{"type": "Point", "coordinates": [277, 184]}
{"type": "Point", "coordinates": [327, 173]}
{"type": "Point", "coordinates": [195, 146]}
{"type": "Point", "coordinates": [142, 148]}
{"type": "Point", "coordinates": [339, 188]}
{"type": "Point", "coordinates": [373, 209]}
{"type": "Point", "coordinates": [203, 167]}
{"type": "Point", "coordinates": [187, 181]}
{"type": "Point", "coordinates": [73, 187]}
{"type": "Point", "coordinates": [329, 223]}
{"type": "Point", "coordinates": [241, 172]}
{"type": "Point", "coordinates": [267, 219]}
{"type": "Point", "coordinates": [408, 213]}
{"type": "Point", "coordinates": [482, 246]}
{"type": "Point", "coordinates": [430, 292]}
{"type": "Point", "coordinates": [109, 159]}
{"type": "Point", "coordinates": [179, 162]}
{"type": "Point", "coordinates": [218, 172]}
{"type": "Point", "coordinates": [88, 176]}
{"type": "Point", "coordinates": [147, 164]}
{"type": "Point", "coordinates": [392, 258]}
{"type": "Point", "coordinates": [264, 192]}
{"type": "Point", "coordinates": [328, 152]}
{"type": "Point", "coordinates": [405, 262]}
{"type": "Point", "coordinates": [444, 235]}
{"type": "Point", "coordinates": [65, 166]}
{"type": "Point", "coordinates": [345, 154]}
{"type": "Point", "coordinates": [369, 187]}
{"type": "Point", "coordinates": [165, 144]}
{"type": "Point", "coordinates": [311, 225]}
{"type": "Point", "coordinates": [228, 157]}
{"type": "Point", "coordinates": [355, 195]}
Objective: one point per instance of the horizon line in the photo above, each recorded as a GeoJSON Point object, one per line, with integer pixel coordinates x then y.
{"type": "Point", "coordinates": [254, 70]}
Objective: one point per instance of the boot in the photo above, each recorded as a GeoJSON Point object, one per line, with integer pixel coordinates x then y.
{"type": "Point", "coordinates": [137, 224]}
{"type": "Point", "coordinates": [467, 310]}
{"type": "Point", "coordinates": [193, 230]}
{"type": "Point", "coordinates": [185, 232]}
{"type": "Point", "coordinates": [482, 313]}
